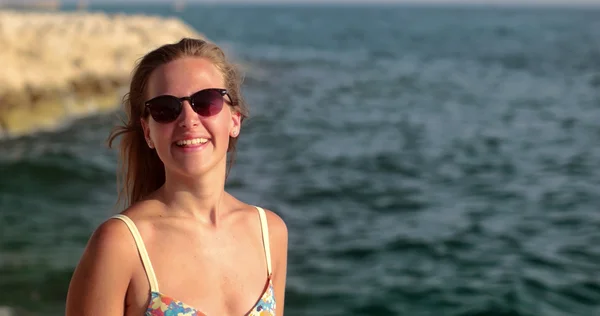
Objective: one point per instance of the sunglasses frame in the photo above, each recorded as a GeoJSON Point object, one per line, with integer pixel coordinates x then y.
{"type": "Point", "coordinates": [222, 92]}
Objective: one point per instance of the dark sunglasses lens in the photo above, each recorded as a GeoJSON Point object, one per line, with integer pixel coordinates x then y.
{"type": "Point", "coordinates": [208, 102]}
{"type": "Point", "coordinates": [164, 109]}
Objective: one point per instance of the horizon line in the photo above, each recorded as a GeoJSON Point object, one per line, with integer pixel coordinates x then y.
{"type": "Point", "coordinates": [520, 3]}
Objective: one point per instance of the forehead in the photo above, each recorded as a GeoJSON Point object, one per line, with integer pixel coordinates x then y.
{"type": "Point", "coordinates": [183, 77]}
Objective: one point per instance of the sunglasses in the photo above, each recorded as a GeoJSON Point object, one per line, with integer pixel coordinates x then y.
{"type": "Point", "coordinates": [167, 108]}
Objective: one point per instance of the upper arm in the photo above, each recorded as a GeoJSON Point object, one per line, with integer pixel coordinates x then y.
{"type": "Point", "coordinates": [278, 238]}
{"type": "Point", "coordinates": [100, 281]}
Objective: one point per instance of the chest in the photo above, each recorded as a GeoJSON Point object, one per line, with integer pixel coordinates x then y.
{"type": "Point", "coordinates": [217, 275]}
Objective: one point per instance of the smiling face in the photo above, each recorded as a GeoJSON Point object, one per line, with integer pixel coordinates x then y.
{"type": "Point", "coordinates": [192, 144]}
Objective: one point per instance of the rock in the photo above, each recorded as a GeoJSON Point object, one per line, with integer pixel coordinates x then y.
{"type": "Point", "coordinates": [7, 311]}
{"type": "Point", "coordinates": [61, 65]}
{"type": "Point", "coordinates": [10, 311]}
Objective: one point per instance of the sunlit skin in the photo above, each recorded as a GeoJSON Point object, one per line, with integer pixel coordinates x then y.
{"type": "Point", "coordinates": [204, 244]}
{"type": "Point", "coordinates": [198, 171]}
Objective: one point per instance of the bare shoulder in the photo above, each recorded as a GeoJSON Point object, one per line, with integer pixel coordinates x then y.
{"type": "Point", "coordinates": [100, 280]}
{"type": "Point", "coordinates": [278, 236]}
{"type": "Point", "coordinates": [112, 231]}
{"type": "Point", "coordinates": [109, 240]}
{"type": "Point", "coordinates": [277, 226]}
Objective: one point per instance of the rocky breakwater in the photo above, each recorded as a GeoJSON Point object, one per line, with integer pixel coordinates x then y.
{"type": "Point", "coordinates": [60, 66]}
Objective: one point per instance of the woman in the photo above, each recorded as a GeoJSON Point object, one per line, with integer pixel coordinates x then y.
{"type": "Point", "coordinates": [183, 246]}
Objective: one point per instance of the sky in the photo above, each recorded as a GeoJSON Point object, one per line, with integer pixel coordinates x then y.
{"type": "Point", "coordinates": [526, 2]}
{"type": "Point", "coordinates": [552, 3]}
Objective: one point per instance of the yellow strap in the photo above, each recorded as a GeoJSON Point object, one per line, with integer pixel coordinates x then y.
{"type": "Point", "coordinates": [265, 235]}
{"type": "Point", "coordinates": [141, 249]}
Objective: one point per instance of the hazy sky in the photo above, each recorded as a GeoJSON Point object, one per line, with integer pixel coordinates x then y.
{"type": "Point", "coordinates": [522, 2]}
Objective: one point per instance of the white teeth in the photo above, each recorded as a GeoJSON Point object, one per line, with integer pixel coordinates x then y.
{"type": "Point", "coordinates": [189, 142]}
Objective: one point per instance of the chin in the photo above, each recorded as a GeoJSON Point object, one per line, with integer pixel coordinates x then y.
{"type": "Point", "coordinates": [194, 163]}
{"type": "Point", "coordinates": [194, 168]}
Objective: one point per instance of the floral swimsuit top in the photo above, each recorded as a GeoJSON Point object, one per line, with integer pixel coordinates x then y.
{"type": "Point", "coordinates": [163, 305]}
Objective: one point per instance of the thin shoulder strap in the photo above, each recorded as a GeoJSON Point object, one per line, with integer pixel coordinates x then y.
{"type": "Point", "coordinates": [265, 236]}
{"type": "Point", "coordinates": [141, 249]}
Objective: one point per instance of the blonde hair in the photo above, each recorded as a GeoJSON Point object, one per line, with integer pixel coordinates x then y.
{"type": "Point", "coordinates": [141, 170]}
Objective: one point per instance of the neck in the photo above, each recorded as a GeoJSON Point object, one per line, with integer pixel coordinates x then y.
{"type": "Point", "coordinates": [199, 197]}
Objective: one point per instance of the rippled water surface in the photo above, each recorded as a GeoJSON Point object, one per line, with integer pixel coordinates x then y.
{"type": "Point", "coordinates": [427, 161]}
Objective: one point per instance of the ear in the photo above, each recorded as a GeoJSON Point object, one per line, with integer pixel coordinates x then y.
{"type": "Point", "coordinates": [236, 120]}
{"type": "Point", "coordinates": [146, 130]}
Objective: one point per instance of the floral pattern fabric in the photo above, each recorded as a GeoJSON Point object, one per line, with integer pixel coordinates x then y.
{"type": "Point", "coordinates": [162, 305]}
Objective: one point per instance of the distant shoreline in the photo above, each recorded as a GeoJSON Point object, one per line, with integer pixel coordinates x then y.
{"type": "Point", "coordinates": [556, 4]}
{"type": "Point", "coordinates": [316, 3]}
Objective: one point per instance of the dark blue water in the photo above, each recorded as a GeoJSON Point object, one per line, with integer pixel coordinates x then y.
{"type": "Point", "coordinates": [427, 161]}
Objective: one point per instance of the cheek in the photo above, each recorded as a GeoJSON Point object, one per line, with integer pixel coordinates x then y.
{"type": "Point", "coordinates": [219, 125]}
{"type": "Point", "coordinates": [161, 134]}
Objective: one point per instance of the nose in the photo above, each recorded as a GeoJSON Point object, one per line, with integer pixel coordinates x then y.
{"type": "Point", "coordinates": [188, 118]}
